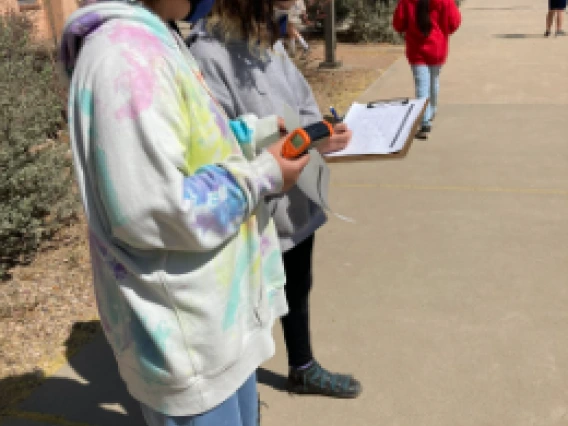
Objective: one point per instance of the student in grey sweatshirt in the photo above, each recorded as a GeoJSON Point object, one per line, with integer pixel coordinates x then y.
{"type": "Point", "coordinates": [257, 76]}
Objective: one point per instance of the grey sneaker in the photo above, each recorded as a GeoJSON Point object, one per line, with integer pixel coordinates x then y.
{"type": "Point", "coordinates": [316, 380]}
{"type": "Point", "coordinates": [560, 33]}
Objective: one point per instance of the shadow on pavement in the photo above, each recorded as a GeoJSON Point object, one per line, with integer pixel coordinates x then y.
{"type": "Point", "coordinates": [88, 391]}
{"type": "Point", "coordinates": [519, 36]}
{"type": "Point", "coordinates": [501, 8]}
{"type": "Point", "coordinates": [269, 378]}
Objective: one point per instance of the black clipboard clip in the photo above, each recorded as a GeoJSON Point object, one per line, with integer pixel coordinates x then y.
{"type": "Point", "coordinates": [384, 102]}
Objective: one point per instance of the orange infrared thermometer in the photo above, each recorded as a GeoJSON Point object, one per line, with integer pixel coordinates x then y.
{"type": "Point", "coordinates": [300, 140]}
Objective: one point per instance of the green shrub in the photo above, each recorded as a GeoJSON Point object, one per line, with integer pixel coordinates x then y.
{"type": "Point", "coordinates": [360, 20]}
{"type": "Point", "coordinates": [366, 20]}
{"type": "Point", "coordinates": [372, 21]}
{"type": "Point", "coordinates": [36, 191]}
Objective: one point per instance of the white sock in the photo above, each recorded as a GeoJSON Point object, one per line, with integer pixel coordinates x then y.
{"type": "Point", "coordinates": [303, 42]}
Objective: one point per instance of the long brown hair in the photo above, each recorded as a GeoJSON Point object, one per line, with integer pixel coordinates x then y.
{"type": "Point", "coordinates": [247, 20]}
{"type": "Point", "coordinates": [423, 17]}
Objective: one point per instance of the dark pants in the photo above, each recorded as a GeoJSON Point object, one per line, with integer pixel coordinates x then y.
{"type": "Point", "coordinates": [296, 325]}
{"type": "Point", "coordinates": [556, 4]}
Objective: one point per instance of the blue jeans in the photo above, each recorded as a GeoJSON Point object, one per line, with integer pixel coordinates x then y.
{"type": "Point", "coordinates": [241, 409]}
{"type": "Point", "coordinates": [427, 83]}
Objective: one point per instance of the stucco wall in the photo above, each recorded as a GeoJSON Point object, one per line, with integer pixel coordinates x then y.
{"type": "Point", "coordinates": [7, 5]}
{"type": "Point", "coordinates": [48, 16]}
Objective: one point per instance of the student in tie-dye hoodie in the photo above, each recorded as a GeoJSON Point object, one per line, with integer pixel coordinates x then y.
{"type": "Point", "coordinates": [186, 263]}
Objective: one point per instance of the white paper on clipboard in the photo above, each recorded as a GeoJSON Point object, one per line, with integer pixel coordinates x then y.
{"type": "Point", "coordinates": [380, 128]}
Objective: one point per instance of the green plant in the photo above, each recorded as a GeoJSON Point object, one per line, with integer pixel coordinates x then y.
{"type": "Point", "coordinates": [362, 20]}
{"type": "Point", "coordinates": [342, 9]}
{"type": "Point", "coordinates": [372, 21]}
{"type": "Point", "coordinates": [36, 195]}
{"type": "Point", "coordinates": [365, 20]}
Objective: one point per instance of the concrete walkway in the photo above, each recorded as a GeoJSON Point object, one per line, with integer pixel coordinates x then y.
{"type": "Point", "coordinates": [449, 297]}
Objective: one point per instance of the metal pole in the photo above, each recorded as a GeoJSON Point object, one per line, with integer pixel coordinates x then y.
{"type": "Point", "coordinates": [330, 37]}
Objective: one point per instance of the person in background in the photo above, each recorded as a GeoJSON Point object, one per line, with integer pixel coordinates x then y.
{"type": "Point", "coordinates": [297, 17]}
{"type": "Point", "coordinates": [248, 72]}
{"type": "Point", "coordinates": [556, 9]}
{"type": "Point", "coordinates": [427, 26]}
{"type": "Point", "coordinates": [187, 268]}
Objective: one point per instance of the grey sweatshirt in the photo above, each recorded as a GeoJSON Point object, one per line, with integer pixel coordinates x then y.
{"type": "Point", "coordinates": [244, 83]}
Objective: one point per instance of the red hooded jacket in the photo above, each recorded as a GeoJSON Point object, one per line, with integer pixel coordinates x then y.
{"type": "Point", "coordinates": [433, 49]}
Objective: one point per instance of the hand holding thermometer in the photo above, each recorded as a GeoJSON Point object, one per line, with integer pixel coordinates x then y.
{"type": "Point", "coordinates": [300, 140]}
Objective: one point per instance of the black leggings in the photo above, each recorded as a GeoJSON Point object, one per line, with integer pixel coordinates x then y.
{"type": "Point", "coordinates": [296, 325]}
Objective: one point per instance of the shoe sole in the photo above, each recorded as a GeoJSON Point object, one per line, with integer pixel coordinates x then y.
{"type": "Point", "coordinates": [299, 390]}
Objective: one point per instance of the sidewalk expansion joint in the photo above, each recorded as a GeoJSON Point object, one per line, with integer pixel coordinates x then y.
{"type": "Point", "coordinates": [526, 191]}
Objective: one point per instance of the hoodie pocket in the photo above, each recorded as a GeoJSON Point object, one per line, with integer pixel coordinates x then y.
{"type": "Point", "coordinates": [262, 308]}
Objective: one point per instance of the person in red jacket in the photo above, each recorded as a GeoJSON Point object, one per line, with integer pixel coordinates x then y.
{"type": "Point", "coordinates": [427, 26]}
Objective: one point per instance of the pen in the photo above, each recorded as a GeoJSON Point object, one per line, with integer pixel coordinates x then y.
{"type": "Point", "coordinates": [334, 113]}
{"type": "Point", "coordinates": [404, 120]}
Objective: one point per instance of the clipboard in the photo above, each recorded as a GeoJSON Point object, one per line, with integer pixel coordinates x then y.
{"type": "Point", "coordinates": [400, 153]}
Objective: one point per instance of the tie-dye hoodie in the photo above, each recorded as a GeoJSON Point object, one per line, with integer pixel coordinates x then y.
{"type": "Point", "coordinates": [186, 263]}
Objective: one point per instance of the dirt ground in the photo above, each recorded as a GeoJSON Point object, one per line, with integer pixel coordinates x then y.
{"type": "Point", "coordinates": [362, 64]}
{"type": "Point", "coordinates": [43, 301]}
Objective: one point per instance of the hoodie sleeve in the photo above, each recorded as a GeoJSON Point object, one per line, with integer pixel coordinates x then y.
{"type": "Point", "coordinates": [164, 164]}
{"type": "Point", "coordinates": [452, 17]}
{"type": "Point", "coordinates": [400, 19]}
{"type": "Point", "coordinates": [255, 134]}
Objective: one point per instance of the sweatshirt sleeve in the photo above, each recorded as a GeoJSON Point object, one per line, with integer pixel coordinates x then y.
{"type": "Point", "coordinates": [453, 17]}
{"type": "Point", "coordinates": [400, 20]}
{"type": "Point", "coordinates": [164, 164]}
{"type": "Point", "coordinates": [255, 134]}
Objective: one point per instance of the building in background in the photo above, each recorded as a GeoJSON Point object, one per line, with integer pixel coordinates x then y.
{"type": "Point", "coordinates": [48, 16]}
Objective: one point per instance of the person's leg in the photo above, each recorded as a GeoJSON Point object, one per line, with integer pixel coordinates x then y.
{"type": "Point", "coordinates": [422, 87]}
{"type": "Point", "coordinates": [549, 21]}
{"type": "Point", "coordinates": [306, 374]}
{"type": "Point", "coordinates": [247, 397]}
{"type": "Point", "coordinates": [434, 90]}
{"type": "Point", "coordinates": [296, 324]}
{"type": "Point", "coordinates": [241, 409]}
{"type": "Point", "coordinates": [560, 22]}
{"type": "Point", "coordinates": [226, 414]}
{"type": "Point", "coordinates": [301, 40]}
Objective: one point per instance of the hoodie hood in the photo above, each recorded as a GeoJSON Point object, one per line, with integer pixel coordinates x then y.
{"type": "Point", "coordinates": [433, 3]}
{"type": "Point", "coordinates": [199, 10]}
{"type": "Point", "coordinates": [90, 18]}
